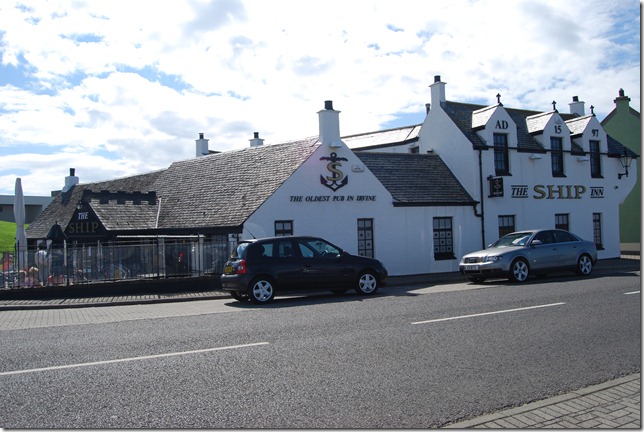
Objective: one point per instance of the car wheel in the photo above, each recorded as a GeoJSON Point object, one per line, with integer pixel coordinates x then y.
{"type": "Point", "coordinates": [519, 271]}
{"type": "Point", "coordinates": [367, 283]}
{"type": "Point", "coordinates": [584, 265]}
{"type": "Point", "coordinates": [261, 290]}
{"type": "Point", "coordinates": [476, 279]}
{"type": "Point", "coordinates": [242, 297]}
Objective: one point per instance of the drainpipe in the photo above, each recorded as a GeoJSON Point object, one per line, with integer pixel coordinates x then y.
{"type": "Point", "coordinates": [482, 215]}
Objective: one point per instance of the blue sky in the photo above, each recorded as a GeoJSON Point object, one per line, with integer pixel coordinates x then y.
{"type": "Point", "coordinates": [114, 88]}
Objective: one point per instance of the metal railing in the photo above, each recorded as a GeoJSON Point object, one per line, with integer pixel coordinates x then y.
{"type": "Point", "coordinates": [116, 261]}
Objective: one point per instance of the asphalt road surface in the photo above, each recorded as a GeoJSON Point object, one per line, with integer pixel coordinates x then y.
{"type": "Point", "coordinates": [406, 358]}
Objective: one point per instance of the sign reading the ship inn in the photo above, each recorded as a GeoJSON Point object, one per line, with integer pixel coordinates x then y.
{"type": "Point", "coordinates": [558, 192]}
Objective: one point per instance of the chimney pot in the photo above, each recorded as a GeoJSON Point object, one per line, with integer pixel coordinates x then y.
{"type": "Point", "coordinates": [328, 105]}
{"type": "Point", "coordinates": [200, 135]}
{"type": "Point", "coordinates": [72, 172]}
{"type": "Point", "coordinates": [437, 78]}
{"type": "Point", "coordinates": [621, 92]}
{"type": "Point", "coordinates": [427, 108]}
{"type": "Point", "coordinates": [255, 134]}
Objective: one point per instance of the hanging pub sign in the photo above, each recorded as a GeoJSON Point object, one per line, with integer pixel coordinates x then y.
{"type": "Point", "coordinates": [496, 187]}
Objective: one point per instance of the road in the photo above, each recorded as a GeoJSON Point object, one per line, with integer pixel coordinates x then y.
{"type": "Point", "coordinates": [407, 358]}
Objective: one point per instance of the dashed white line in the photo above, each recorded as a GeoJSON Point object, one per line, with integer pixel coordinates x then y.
{"type": "Point", "coordinates": [76, 365]}
{"type": "Point", "coordinates": [632, 292]}
{"type": "Point", "coordinates": [488, 313]}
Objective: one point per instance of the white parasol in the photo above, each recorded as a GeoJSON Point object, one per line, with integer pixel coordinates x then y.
{"type": "Point", "coordinates": [21, 235]}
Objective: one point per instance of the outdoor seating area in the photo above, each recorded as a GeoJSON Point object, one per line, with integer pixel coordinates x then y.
{"type": "Point", "coordinates": [63, 265]}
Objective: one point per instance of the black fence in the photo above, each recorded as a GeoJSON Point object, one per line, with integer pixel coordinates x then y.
{"type": "Point", "coordinates": [69, 264]}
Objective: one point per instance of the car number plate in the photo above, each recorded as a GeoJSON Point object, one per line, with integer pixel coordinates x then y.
{"type": "Point", "coordinates": [471, 268]}
{"type": "Point", "coordinates": [228, 269]}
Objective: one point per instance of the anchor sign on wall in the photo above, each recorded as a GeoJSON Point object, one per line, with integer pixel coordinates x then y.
{"type": "Point", "coordinates": [337, 179]}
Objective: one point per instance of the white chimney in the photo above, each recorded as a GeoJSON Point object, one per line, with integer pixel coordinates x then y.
{"type": "Point", "coordinates": [577, 107]}
{"type": "Point", "coordinates": [329, 125]}
{"type": "Point", "coordinates": [438, 91]}
{"type": "Point", "coordinates": [71, 180]}
{"type": "Point", "coordinates": [256, 141]}
{"type": "Point", "coordinates": [202, 146]}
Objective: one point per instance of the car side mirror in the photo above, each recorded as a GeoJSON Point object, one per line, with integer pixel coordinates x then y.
{"type": "Point", "coordinates": [536, 243]}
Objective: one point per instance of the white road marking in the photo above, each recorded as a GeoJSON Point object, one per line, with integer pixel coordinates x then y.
{"type": "Point", "coordinates": [130, 359]}
{"type": "Point", "coordinates": [488, 313]}
{"type": "Point", "coordinates": [632, 292]}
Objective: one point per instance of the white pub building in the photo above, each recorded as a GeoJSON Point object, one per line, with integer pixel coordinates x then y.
{"type": "Point", "coordinates": [417, 198]}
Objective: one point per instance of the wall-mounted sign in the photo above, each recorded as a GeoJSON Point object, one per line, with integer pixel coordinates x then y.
{"type": "Point", "coordinates": [496, 187]}
{"type": "Point", "coordinates": [331, 198]}
{"type": "Point", "coordinates": [84, 223]}
{"type": "Point", "coordinates": [555, 192]}
{"type": "Point", "coordinates": [337, 179]}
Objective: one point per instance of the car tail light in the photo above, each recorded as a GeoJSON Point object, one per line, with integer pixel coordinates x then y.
{"type": "Point", "coordinates": [241, 267]}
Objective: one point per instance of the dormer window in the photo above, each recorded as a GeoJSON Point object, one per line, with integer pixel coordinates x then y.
{"type": "Point", "coordinates": [501, 156]}
{"type": "Point", "coordinates": [595, 160]}
{"type": "Point", "coordinates": [556, 155]}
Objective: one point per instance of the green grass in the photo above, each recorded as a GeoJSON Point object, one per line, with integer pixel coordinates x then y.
{"type": "Point", "coordinates": [8, 236]}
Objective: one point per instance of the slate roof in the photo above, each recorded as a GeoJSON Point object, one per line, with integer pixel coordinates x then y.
{"type": "Point", "coordinates": [206, 194]}
{"type": "Point", "coordinates": [578, 125]}
{"type": "Point", "coordinates": [416, 179]}
{"type": "Point", "coordinates": [481, 116]}
{"type": "Point", "coordinates": [224, 189]}
{"type": "Point", "coordinates": [63, 206]}
{"type": "Point", "coordinates": [123, 211]}
{"type": "Point", "coordinates": [384, 138]}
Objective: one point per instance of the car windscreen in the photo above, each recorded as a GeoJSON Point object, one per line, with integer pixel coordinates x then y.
{"type": "Point", "coordinates": [514, 239]}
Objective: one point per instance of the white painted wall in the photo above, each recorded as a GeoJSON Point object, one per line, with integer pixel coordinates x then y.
{"type": "Point", "coordinates": [403, 236]}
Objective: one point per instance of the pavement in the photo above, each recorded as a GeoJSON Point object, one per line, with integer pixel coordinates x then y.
{"type": "Point", "coordinates": [612, 404]}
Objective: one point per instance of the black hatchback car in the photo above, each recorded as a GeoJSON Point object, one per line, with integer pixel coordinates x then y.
{"type": "Point", "coordinates": [262, 268]}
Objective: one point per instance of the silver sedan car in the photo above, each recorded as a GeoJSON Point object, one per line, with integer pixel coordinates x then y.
{"type": "Point", "coordinates": [520, 254]}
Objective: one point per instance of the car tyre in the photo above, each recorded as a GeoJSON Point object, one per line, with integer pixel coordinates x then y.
{"type": "Point", "coordinates": [519, 271]}
{"type": "Point", "coordinates": [367, 283]}
{"type": "Point", "coordinates": [261, 290]}
{"type": "Point", "coordinates": [476, 279]}
{"type": "Point", "coordinates": [242, 297]}
{"type": "Point", "coordinates": [584, 265]}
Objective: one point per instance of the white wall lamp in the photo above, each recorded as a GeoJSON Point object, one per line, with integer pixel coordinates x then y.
{"type": "Point", "coordinates": [625, 159]}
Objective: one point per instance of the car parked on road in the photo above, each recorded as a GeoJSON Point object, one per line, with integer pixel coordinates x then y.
{"type": "Point", "coordinates": [520, 254]}
{"type": "Point", "coordinates": [259, 269]}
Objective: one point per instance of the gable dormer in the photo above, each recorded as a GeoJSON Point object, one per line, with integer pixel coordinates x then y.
{"type": "Point", "coordinates": [551, 131]}
{"type": "Point", "coordinates": [495, 120]}
{"type": "Point", "coordinates": [586, 129]}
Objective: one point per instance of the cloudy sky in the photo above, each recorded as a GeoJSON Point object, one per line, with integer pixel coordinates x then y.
{"type": "Point", "coordinates": [119, 87]}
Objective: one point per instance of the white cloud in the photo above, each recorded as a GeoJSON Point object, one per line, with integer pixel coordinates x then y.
{"type": "Point", "coordinates": [119, 87]}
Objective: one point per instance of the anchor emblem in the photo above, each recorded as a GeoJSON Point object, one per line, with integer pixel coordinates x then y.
{"type": "Point", "coordinates": [337, 179]}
